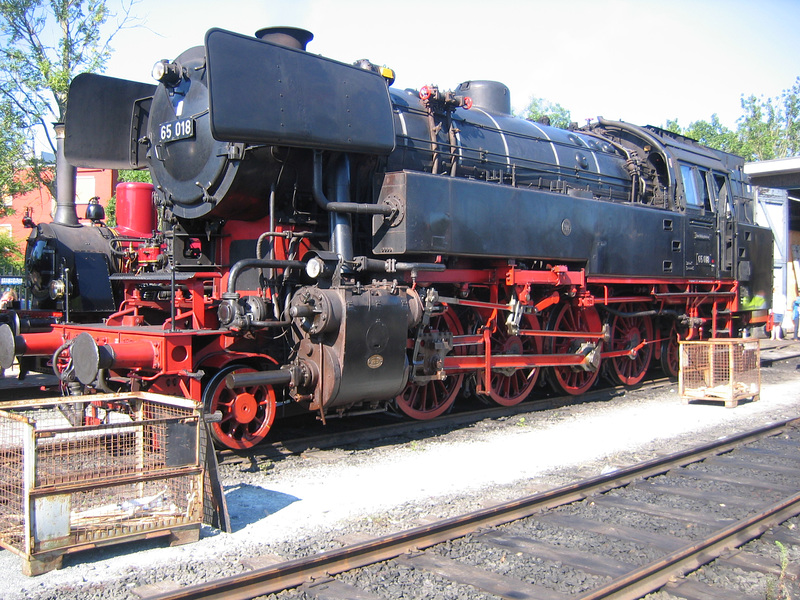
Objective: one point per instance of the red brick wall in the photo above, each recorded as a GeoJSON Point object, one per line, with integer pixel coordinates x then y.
{"type": "Point", "coordinates": [90, 182]}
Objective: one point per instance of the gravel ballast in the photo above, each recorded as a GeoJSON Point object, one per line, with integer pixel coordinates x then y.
{"type": "Point", "coordinates": [322, 499]}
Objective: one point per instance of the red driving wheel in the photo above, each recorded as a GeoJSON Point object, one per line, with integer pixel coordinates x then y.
{"type": "Point", "coordinates": [511, 386]}
{"type": "Point", "coordinates": [572, 380]}
{"type": "Point", "coordinates": [670, 349]}
{"type": "Point", "coordinates": [430, 399]}
{"type": "Point", "coordinates": [247, 411]}
{"type": "Point", "coordinates": [628, 332]}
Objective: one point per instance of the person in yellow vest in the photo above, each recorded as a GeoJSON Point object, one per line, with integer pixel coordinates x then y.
{"type": "Point", "coordinates": [755, 302]}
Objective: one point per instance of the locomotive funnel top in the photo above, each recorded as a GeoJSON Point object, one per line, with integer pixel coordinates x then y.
{"type": "Point", "coordinates": [291, 37]}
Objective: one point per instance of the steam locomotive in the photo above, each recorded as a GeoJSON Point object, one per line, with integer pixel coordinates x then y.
{"type": "Point", "coordinates": [317, 239]}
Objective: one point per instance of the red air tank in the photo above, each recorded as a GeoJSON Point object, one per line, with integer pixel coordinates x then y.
{"type": "Point", "coordinates": [136, 211]}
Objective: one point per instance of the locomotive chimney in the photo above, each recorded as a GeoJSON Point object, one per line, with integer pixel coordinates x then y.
{"type": "Point", "coordinates": [66, 214]}
{"type": "Point", "coordinates": [291, 37]}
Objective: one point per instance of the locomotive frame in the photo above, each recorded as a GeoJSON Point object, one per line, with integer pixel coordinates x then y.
{"type": "Point", "coordinates": [379, 249]}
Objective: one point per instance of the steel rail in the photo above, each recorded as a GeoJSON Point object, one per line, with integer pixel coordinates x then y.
{"type": "Point", "coordinates": [652, 576]}
{"type": "Point", "coordinates": [295, 572]}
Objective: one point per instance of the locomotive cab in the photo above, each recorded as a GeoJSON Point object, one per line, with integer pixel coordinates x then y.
{"type": "Point", "coordinates": [722, 240]}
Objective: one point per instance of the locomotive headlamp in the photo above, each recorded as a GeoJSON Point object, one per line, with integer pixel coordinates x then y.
{"type": "Point", "coordinates": [167, 73]}
{"type": "Point", "coordinates": [57, 289]}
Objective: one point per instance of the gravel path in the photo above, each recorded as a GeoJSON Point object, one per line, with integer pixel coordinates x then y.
{"type": "Point", "coordinates": [308, 503]}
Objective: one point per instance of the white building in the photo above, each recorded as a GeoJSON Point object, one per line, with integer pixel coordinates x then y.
{"type": "Point", "coordinates": [778, 207]}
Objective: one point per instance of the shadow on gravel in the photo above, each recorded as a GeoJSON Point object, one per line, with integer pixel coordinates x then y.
{"type": "Point", "coordinates": [117, 551]}
{"type": "Point", "coordinates": [249, 503]}
{"type": "Point", "coordinates": [719, 403]}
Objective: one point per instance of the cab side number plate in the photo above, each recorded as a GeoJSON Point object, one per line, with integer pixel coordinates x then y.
{"type": "Point", "coordinates": [176, 130]}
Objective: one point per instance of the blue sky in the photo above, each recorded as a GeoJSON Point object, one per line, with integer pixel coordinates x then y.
{"type": "Point", "coordinates": [642, 61]}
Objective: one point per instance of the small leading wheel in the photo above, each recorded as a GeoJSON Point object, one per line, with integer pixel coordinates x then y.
{"type": "Point", "coordinates": [247, 411]}
{"type": "Point", "coordinates": [572, 380]}
{"type": "Point", "coordinates": [627, 332]}
{"type": "Point", "coordinates": [511, 386]}
{"type": "Point", "coordinates": [430, 399]}
{"type": "Point", "coordinates": [670, 353]}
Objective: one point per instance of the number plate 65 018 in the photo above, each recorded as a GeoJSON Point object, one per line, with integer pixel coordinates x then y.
{"type": "Point", "coordinates": [176, 130]}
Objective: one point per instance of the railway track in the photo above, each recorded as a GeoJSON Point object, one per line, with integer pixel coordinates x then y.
{"type": "Point", "coordinates": [619, 535]}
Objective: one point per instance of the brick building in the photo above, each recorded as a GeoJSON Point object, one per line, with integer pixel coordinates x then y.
{"type": "Point", "coordinates": [90, 183]}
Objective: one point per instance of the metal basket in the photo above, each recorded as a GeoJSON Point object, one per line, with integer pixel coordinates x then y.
{"type": "Point", "coordinates": [724, 370]}
{"type": "Point", "coordinates": [77, 474]}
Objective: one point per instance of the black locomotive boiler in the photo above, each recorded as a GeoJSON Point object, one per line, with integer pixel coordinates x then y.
{"type": "Point", "coordinates": [333, 244]}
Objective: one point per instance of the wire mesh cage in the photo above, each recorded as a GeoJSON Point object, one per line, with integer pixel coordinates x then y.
{"type": "Point", "coordinates": [726, 370]}
{"type": "Point", "coordinates": [80, 474]}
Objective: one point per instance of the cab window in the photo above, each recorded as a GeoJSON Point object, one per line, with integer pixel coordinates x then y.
{"type": "Point", "coordinates": [695, 187]}
{"type": "Point", "coordinates": [722, 195]}
{"type": "Point", "coordinates": [690, 187]}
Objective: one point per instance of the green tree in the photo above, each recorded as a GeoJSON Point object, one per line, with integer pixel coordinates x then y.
{"type": "Point", "coordinates": [43, 45]}
{"type": "Point", "coordinates": [710, 133]}
{"type": "Point", "coordinates": [769, 128]}
{"type": "Point", "coordinates": [539, 109]}
{"type": "Point", "coordinates": [11, 257]}
{"type": "Point", "coordinates": [14, 179]}
{"type": "Point", "coordinates": [715, 134]}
